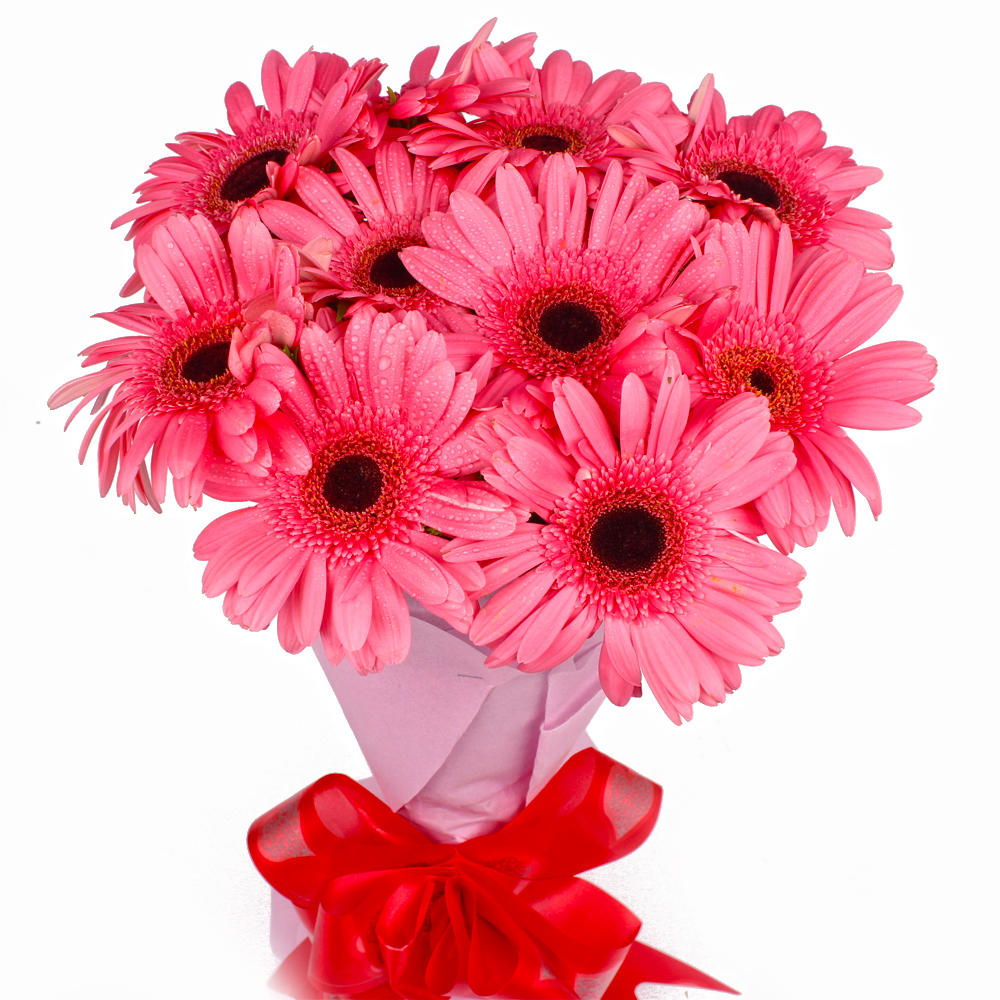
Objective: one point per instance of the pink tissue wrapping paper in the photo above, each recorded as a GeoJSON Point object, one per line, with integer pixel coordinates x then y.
{"type": "Point", "coordinates": [456, 747]}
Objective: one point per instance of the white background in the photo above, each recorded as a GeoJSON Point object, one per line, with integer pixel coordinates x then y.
{"type": "Point", "coordinates": [828, 833]}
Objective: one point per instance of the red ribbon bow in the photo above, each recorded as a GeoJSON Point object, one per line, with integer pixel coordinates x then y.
{"type": "Point", "coordinates": [397, 915]}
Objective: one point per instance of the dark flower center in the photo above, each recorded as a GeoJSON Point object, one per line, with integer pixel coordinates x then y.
{"type": "Point", "coordinates": [207, 362]}
{"type": "Point", "coordinates": [353, 483]}
{"type": "Point", "coordinates": [751, 186]}
{"type": "Point", "coordinates": [251, 175]}
{"type": "Point", "coordinates": [628, 539]}
{"type": "Point", "coordinates": [545, 142]}
{"type": "Point", "coordinates": [569, 326]}
{"type": "Point", "coordinates": [409, 123]}
{"type": "Point", "coordinates": [388, 271]}
{"type": "Point", "coordinates": [762, 381]}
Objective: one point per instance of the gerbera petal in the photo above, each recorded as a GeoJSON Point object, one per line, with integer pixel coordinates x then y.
{"type": "Point", "coordinates": [481, 228]}
{"type": "Point", "coordinates": [704, 664]}
{"type": "Point", "coordinates": [236, 416]}
{"type": "Point", "coordinates": [188, 444]}
{"type": "Point", "coordinates": [757, 561]}
{"type": "Point", "coordinates": [775, 505]}
{"type": "Point", "coordinates": [169, 253]}
{"type": "Point", "coordinates": [463, 511]}
{"type": "Point", "coordinates": [867, 243]}
{"type": "Point", "coordinates": [159, 281]}
{"type": "Point", "coordinates": [240, 106]}
{"type": "Point", "coordinates": [323, 360]}
{"type": "Point", "coordinates": [523, 537]}
{"type": "Point", "coordinates": [634, 424]}
{"type": "Point", "coordinates": [723, 634]}
{"type": "Point", "coordinates": [621, 650]}
{"type": "Point", "coordinates": [352, 604]}
{"type": "Point", "coordinates": [847, 457]}
{"type": "Point", "coordinates": [546, 624]}
{"type": "Point", "coordinates": [362, 185]}
{"type": "Point", "coordinates": [252, 250]}
{"type": "Point", "coordinates": [607, 202]}
{"type": "Point", "coordinates": [312, 597]}
{"type": "Point", "coordinates": [587, 416]}
{"type": "Point", "coordinates": [567, 642]}
{"type": "Point", "coordinates": [296, 224]}
{"type": "Point", "coordinates": [518, 210]}
{"type": "Point", "coordinates": [871, 414]}
{"type": "Point", "coordinates": [664, 662]}
{"type": "Point", "coordinates": [390, 628]}
{"type": "Point", "coordinates": [415, 572]}
{"type": "Point", "coordinates": [823, 290]}
{"type": "Point", "coordinates": [753, 479]}
{"type": "Point", "coordinates": [618, 688]}
{"type": "Point", "coordinates": [511, 606]}
{"type": "Point", "coordinates": [428, 398]}
{"type": "Point", "coordinates": [545, 467]}
{"type": "Point", "coordinates": [444, 274]}
{"type": "Point", "coordinates": [731, 437]}
{"type": "Point", "coordinates": [456, 411]}
{"type": "Point", "coordinates": [222, 530]}
{"type": "Point", "coordinates": [502, 571]}
{"type": "Point", "coordinates": [670, 414]}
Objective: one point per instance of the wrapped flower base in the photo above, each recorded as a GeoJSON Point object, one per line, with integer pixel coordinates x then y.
{"type": "Point", "coordinates": [394, 914]}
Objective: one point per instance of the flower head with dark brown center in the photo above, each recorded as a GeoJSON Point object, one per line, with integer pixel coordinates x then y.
{"type": "Point", "coordinates": [634, 533]}
{"type": "Point", "coordinates": [552, 296]}
{"type": "Point", "coordinates": [332, 550]}
{"type": "Point", "coordinates": [320, 107]}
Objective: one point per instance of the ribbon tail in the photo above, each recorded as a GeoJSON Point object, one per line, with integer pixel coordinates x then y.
{"type": "Point", "coordinates": [647, 965]}
{"type": "Point", "coordinates": [290, 977]}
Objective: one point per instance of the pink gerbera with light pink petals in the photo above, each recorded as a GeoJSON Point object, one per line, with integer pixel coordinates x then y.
{"type": "Point", "coordinates": [312, 107]}
{"type": "Point", "coordinates": [636, 533]}
{"type": "Point", "coordinates": [769, 165]}
{"type": "Point", "coordinates": [190, 384]}
{"type": "Point", "coordinates": [558, 290]}
{"type": "Point", "coordinates": [568, 111]}
{"type": "Point", "coordinates": [787, 331]}
{"type": "Point", "coordinates": [333, 552]}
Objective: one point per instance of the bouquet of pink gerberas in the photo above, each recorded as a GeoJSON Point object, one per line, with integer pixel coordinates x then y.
{"type": "Point", "coordinates": [510, 372]}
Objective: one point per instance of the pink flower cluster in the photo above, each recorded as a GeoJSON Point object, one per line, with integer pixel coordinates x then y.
{"type": "Point", "coordinates": [539, 351]}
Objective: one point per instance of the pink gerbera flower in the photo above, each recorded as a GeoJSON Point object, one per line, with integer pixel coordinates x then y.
{"type": "Point", "coordinates": [555, 295]}
{"type": "Point", "coordinates": [312, 107]}
{"type": "Point", "coordinates": [188, 385]}
{"type": "Point", "coordinates": [568, 112]}
{"type": "Point", "coordinates": [635, 533]}
{"type": "Point", "coordinates": [332, 552]}
{"type": "Point", "coordinates": [788, 331]}
{"type": "Point", "coordinates": [358, 259]}
{"type": "Point", "coordinates": [770, 165]}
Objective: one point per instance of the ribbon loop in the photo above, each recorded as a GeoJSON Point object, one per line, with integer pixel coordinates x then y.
{"type": "Point", "coordinates": [396, 915]}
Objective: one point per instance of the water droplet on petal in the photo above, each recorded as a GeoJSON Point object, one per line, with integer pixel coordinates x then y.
{"type": "Point", "coordinates": [384, 362]}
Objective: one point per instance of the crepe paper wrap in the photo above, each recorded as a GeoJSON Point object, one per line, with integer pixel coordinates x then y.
{"type": "Point", "coordinates": [394, 914]}
{"type": "Point", "coordinates": [458, 748]}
